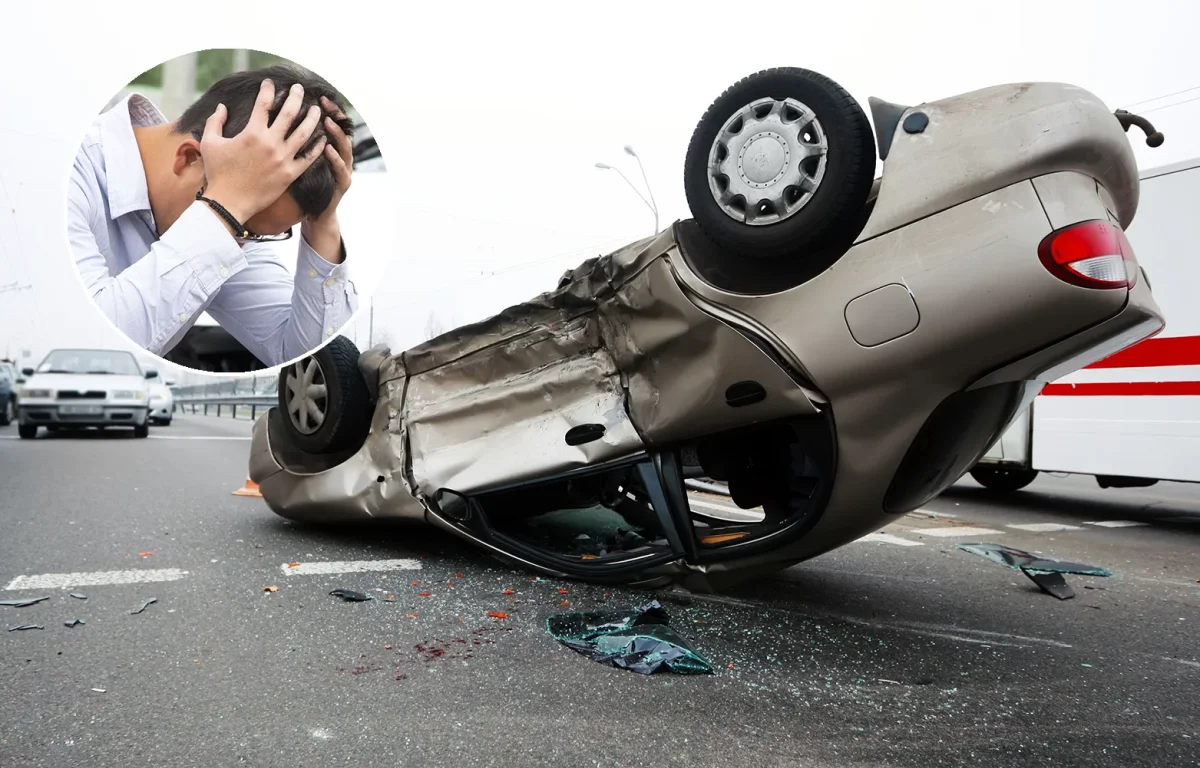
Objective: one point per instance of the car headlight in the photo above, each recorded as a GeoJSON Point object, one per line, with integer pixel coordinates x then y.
{"type": "Point", "coordinates": [37, 394]}
{"type": "Point", "coordinates": [127, 394]}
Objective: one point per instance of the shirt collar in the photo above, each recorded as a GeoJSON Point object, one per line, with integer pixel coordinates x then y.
{"type": "Point", "coordinates": [124, 172]}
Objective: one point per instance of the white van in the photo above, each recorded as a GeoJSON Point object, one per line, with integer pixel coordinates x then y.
{"type": "Point", "coordinates": [1134, 418]}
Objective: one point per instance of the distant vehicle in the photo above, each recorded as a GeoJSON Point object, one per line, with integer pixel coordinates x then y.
{"type": "Point", "coordinates": [839, 349]}
{"type": "Point", "coordinates": [80, 388]}
{"type": "Point", "coordinates": [1132, 419]}
{"type": "Point", "coordinates": [8, 392]}
{"type": "Point", "coordinates": [162, 403]}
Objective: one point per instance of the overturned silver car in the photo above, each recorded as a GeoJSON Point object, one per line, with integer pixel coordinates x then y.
{"type": "Point", "coordinates": [838, 349]}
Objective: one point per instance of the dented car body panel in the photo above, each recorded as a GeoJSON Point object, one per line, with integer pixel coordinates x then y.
{"type": "Point", "coordinates": [880, 379]}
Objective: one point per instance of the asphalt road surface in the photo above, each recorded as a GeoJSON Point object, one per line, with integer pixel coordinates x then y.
{"type": "Point", "coordinates": [898, 650]}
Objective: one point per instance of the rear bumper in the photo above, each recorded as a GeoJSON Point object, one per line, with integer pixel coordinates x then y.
{"type": "Point", "coordinates": [108, 416]}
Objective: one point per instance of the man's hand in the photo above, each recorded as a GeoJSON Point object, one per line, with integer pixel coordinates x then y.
{"type": "Point", "coordinates": [250, 171]}
{"type": "Point", "coordinates": [322, 233]}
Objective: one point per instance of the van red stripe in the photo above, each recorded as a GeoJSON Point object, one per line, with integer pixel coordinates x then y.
{"type": "Point", "coordinates": [1155, 352]}
{"type": "Point", "coordinates": [1124, 389]}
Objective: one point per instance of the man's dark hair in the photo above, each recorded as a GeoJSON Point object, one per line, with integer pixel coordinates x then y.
{"type": "Point", "coordinates": [313, 190]}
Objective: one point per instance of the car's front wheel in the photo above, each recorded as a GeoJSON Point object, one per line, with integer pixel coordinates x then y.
{"type": "Point", "coordinates": [325, 400]}
{"type": "Point", "coordinates": [780, 164]}
{"type": "Point", "coordinates": [8, 413]}
{"type": "Point", "coordinates": [27, 431]}
{"type": "Point", "coordinates": [142, 430]}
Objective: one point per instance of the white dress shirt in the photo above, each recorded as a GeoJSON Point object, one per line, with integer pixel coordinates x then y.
{"type": "Point", "coordinates": [155, 288]}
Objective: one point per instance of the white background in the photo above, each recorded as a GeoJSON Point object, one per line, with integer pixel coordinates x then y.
{"type": "Point", "coordinates": [492, 116]}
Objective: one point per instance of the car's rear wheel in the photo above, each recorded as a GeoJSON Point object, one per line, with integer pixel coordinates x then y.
{"type": "Point", "coordinates": [325, 399]}
{"type": "Point", "coordinates": [27, 431]}
{"type": "Point", "coordinates": [1002, 479]}
{"type": "Point", "coordinates": [781, 163]}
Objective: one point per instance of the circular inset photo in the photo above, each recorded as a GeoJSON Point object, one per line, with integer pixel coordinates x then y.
{"type": "Point", "coordinates": [220, 211]}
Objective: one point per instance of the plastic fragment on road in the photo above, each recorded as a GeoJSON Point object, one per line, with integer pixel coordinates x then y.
{"type": "Point", "coordinates": [639, 640]}
{"type": "Point", "coordinates": [78, 596]}
{"type": "Point", "coordinates": [24, 602]}
{"type": "Point", "coordinates": [249, 489]}
{"type": "Point", "coordinates": [351, 596]}
{"type": "Point", "coordinates": [21, 627]}
{"type": "Point", "coordinates": [99, 690]}
{"type": "Point", "coordinates": [271, 588]}
{"type": "Point", "coordinates": [1045, 572]}
{"type": "Point", "coordinates": [145, 554]}
{"type": "Point", "coordinates": [74, 623]}
{"type": "Point", "coordinates": [497, 614]}
{"type": "Point", "coordinates": [145, 605]}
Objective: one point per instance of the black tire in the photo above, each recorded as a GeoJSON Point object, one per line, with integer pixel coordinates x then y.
{"type": "Point", "coordinates": [1003, 480]}
{"type": "Point", "coordinates": [8, 412]}
{"type": "Point", "coordinates": [141, 430]}
{"type": "Point", "coordinates": [833, 214]}
{"type": "Point", "coordinates": [27, 431]}
{"type": "Point", "coordinates": [347, 402]}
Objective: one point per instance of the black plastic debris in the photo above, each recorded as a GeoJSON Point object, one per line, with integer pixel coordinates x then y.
{"type": "Point", "coordinates": [74, 623]}
{"type": "Point", "coordinates": [78, 596]}
{"type": "Point", "coordinates": [1044, 572]}
{"type": "Point", "coordinates": [23, 602]}
{"type": "Point", "coordinates": [350, 595]}
{"type": "Point", "coordinates": [637, 640]}
{"type": "Point", "coordinates": [20, 627]}
{"type": "Point", "coordinates": [1051, 583]}
{"type": "Point", "coordinates": [145, 605]}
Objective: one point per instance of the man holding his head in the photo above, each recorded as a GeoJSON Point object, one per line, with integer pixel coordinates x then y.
{"type": "Point", "coordinates": [169, 220]}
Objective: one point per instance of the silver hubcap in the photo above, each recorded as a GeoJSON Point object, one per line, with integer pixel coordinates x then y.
{"type": "Point", "coordinates": [306, 395]}
{"type": "Point", "coordinates": [767, 161]}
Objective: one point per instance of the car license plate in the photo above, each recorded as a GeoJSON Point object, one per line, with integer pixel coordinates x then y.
{"type": "Point", "coordinates": [82, 410]}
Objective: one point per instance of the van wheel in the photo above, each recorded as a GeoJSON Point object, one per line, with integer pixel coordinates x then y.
{"type": "Point", "coordinates": [325, 399]}
{"type": "Point", "coordinates": [781, 163]}
{"type": "Point", "coordinates": [1003, 480]}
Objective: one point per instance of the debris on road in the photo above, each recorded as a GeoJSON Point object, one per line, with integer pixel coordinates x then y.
{"type": "Point", "coordinates": [100, 690]}
{"type": "Point", "coordinates": [78, 596]}
{"type": "Point", "coordinates": [1044, 572]}
{"type": "Point", "coordinates": [145, 554]}
{"type": "Point", "coordinates": [24, 602]}
{"type": "Point", "coordinates": [497, 614]}
{"type": "Point", "coordinates": [74, 623]}
{"type": "Point", "coordinates": [20, 627]}
{"type": "Point", "coordinates": [145, 605]}
{"type": "Point", "coordinates": [637, 640]}
{"type": "Point", "coordinates": [424, 594]}
{"type": "Point", "coordinates": [351, 596]}
{"type": "Point", "coordinates": [271, 588]}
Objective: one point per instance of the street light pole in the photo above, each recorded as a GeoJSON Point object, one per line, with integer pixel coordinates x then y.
{"type": "Point", "coordinates": [653, 205]}
{"type": "Point", "coordinates": [607, 167]}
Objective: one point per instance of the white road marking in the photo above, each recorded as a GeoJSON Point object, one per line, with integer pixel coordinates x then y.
{"type": "Point", "coordinates": [1116, 523]}
{"type": "Point", "coordinates": [96, 578]}
{"type": "Point", "coordinates": [1043, 527]}
{"type": "Point", "coordinates": [946, 533]}
{"type": "Point", "coordinates": [197, 437]}
{"type": "Point", "coordinates": [350, 566]}
{"type": "Point", "coordinates": [730, 512]}
{"type": "Point", "coordinates": [931, 513]}
{"type": "Point", "coordinates": [887, 538]}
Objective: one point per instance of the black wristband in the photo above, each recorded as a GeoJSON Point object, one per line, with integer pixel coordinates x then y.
{"type": "Point", "coordinates": [221, 211]}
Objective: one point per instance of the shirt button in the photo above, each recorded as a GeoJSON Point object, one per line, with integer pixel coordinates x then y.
{"type": "Point", "coordinates": [330, 282]}
{"type": "Point", "coordinates": [183, 317]}
{"type": "Point", "coordinates": [223, 271]}
{"type": "Point", "coordinates": [328, 331]}
{"type": "Point", "coordinates": [312, 273]}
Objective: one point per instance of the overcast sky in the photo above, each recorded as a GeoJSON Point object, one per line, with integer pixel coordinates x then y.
{"type": "Point", "coordinates": [491, 117]}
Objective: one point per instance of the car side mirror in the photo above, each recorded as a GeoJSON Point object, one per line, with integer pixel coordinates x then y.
{"type": "Point", "coordinates": [151, 374]}
{"type": "Point", "coordinates": [453, 505]}
{"type": "Point", "coordinates": [27, 371]}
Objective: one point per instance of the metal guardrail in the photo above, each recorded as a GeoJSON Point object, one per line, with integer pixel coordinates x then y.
{"type": "Point", "coordinates": [244, 396]}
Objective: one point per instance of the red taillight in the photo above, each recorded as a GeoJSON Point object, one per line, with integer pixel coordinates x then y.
{"type": "Point", "coordinates": [1091, 254]}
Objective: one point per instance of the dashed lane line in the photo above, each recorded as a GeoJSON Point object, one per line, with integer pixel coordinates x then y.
{"type": "Point", "coordinates": [1043, 527]}
{"type": "Point", "coordinates": [887, 538]}
{"type": "Point", "coordinates": [958, 530]}
{"type": "Point", "coordinates": [349, 566]}
{"type": "Point", "coordinates": [95, 578]}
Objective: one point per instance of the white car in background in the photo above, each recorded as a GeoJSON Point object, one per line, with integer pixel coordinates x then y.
{"type": "Point", "coordinates": [162, 402]}
{"type": "Point", "coordinates": [81, 388]}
